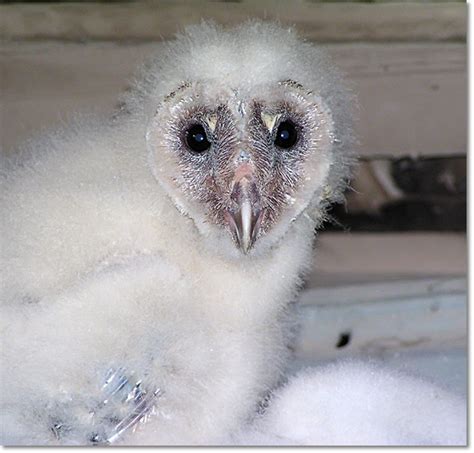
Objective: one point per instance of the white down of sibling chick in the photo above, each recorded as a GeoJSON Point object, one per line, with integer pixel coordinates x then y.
{"type": "Point", "coordinates": [164, 245]}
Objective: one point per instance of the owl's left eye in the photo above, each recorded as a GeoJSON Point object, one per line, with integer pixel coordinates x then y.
{"type": "Point", "coordinates": [196, 139]}
{"type": "Point", "coordinates": [286, 135]}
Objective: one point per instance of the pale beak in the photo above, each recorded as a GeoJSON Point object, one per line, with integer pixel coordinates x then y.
{"type": "Point", "coordinates": [246, 217]}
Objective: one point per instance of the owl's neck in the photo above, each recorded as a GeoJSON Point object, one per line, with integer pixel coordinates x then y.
{"type": "Point", "coordinates": [255, 290]}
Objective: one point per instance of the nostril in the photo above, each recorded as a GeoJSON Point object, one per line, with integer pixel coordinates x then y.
{"type": "Point", "coordinates": [236, 193]}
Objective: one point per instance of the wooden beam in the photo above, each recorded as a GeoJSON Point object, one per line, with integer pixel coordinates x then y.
{"type": "Point", "coordinates": [362, 257]}
{"type": "Point", "coordinates": [331, 22]}
{"type": "Point", "coordinates": [372, 318]}
{"type": "Point", "coordinates": [413, 97]}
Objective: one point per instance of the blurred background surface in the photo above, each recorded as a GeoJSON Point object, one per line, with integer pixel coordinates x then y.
{"type": "Point", "coordinates": [395, 254]}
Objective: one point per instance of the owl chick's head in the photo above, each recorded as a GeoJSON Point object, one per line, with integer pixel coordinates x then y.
{"type": "Point", "coordinates": [247, 129]}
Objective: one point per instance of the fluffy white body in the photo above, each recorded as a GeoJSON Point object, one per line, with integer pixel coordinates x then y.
{"type": "Point", "coordinates": [353, 403]}
{"type": "Point", "coordinates": [106, 265]}
{"type": "Point", "coordinates": [100, 280]}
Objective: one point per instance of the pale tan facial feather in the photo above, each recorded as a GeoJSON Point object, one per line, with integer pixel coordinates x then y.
{"type": "Point", "coordinates": [270, 120]}
{"type": "Point", "coordinates": [211, 121]}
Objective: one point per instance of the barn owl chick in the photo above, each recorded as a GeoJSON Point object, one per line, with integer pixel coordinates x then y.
{"type": "Point", "coordinates": [148, 260]}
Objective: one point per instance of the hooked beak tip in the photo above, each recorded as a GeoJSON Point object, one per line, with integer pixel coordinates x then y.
{"type": "Point", "coordinates": [245, 225]}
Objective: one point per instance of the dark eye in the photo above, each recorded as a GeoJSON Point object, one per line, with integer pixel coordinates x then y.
{"type": "Point", "coordinates": [286, 135]}
{"type": "Point", "coordinates": [196, 139]}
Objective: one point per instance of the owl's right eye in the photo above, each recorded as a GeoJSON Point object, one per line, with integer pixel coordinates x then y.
{"type": "Point", "coordinates": [286, 135]}
{"type": "Point", "coordinates": [196, 139]}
